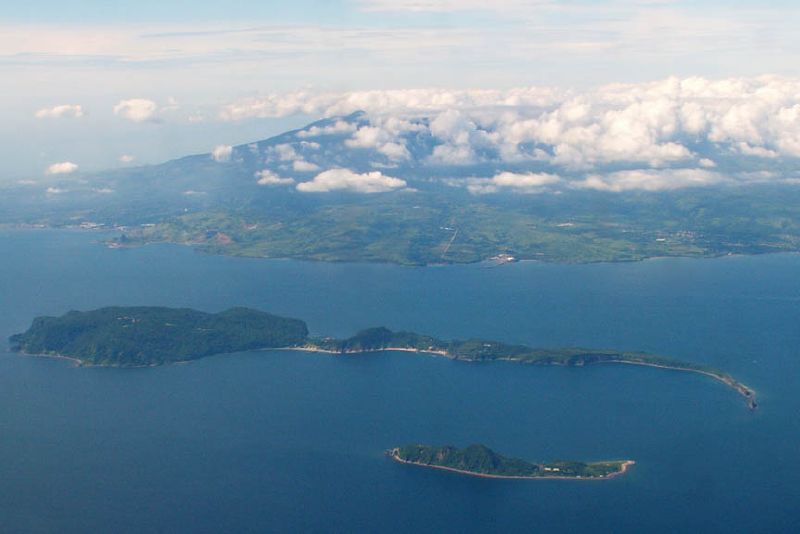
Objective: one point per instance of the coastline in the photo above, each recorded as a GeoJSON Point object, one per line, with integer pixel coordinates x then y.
{"type": "Point", "coordinates": [80, 363]}
{"type": "Point", "coordinates": [201, 247]}
{"type": "Point", "coordinates": [75, 361]}
{"type": "Point", "coordinates": [747, 392]}
{"type": "Point", "coordinates": [394, 454]}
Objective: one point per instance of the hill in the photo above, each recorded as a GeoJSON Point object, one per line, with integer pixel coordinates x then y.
{"type": "Point", "coordinates": [143, 336]}
{"type": "Point", "coordinates": [324, 193]}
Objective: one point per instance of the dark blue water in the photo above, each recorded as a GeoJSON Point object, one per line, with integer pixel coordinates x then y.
{"type": "Point", "coordinates": [264, 442]}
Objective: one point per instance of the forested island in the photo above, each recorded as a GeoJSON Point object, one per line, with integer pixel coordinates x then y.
{"type": "Point", "coordinates": [148, 336]}
{"type": "Point", "coordinates": [481, 461]}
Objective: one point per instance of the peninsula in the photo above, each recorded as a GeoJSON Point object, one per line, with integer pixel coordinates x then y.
{"type": "Point", "coordinates": [148, 336]}
{"type": "Point", "coordinates": [481, 461]}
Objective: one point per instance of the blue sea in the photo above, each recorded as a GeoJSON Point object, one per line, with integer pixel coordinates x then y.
{"type": "Point", "coordinates": [293, 442]}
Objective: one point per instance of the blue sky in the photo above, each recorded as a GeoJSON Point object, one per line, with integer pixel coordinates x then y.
{"type": "Point", "coordinates": [192, 58]}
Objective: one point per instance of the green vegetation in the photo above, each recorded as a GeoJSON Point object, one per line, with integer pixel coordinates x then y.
{"type": "Point", "coordinates": [480, 350]}
{"type": "Point", "coordinates": [429, 227]}
{"type": "Point", "coordinates": [140, 336]}
{"type": "Point", "coordinates": [482, 461]}
{"type": "Point", "coordinates": [152, 336]}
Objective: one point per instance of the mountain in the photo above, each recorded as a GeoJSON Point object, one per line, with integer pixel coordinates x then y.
{"type": "Point", "coordinates": [420, 190]}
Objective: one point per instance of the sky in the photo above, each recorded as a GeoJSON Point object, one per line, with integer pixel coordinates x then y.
{"type": "Point", "coordinates": [102, 84]}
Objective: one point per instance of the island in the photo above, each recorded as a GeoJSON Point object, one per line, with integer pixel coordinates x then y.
{"type": "Point", "coordinates": [481, 461]}
{"type": "Point", "coordinates": [148, 336]}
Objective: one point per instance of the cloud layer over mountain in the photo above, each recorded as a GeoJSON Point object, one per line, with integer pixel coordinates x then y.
{"type": "Point", "coordinates": [651, 136]}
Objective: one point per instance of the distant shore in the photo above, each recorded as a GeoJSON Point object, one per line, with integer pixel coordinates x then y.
{"type": "Point", "coordinates": [394, 454]}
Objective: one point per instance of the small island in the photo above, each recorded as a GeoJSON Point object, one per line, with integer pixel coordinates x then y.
{"type": "Point", "coordinates": [481, 461]}
{"type": "Point", "coordinates": [149, 336]}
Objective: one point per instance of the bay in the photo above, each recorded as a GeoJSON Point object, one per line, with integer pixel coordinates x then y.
{"type": "Point", "coordinates": [286, 442]}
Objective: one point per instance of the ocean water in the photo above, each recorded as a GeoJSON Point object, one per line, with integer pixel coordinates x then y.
{"type": "Point", "coordinates": [290, 442]}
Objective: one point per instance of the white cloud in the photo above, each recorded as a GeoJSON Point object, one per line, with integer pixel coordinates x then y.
{"type": "Point", "coordinates": [267, 177]}
{"type": "Point", "coordinates": [509, 181]}
{"type": "Point", "coordinates": [55, 191]}
{"type": "Point", "coordinates": [347, 180]}
{"type": "Point", "coordinates": [382, 140]}
{"type": "Point", "coordinates": [64, 167]}
{"type": "Point", "coordinates": [136, 109]}
{"type": "Point", "coordinates": [192, 193]}
{"type": "Point", "coordinates": [287, 153]}
{"type": "Point", "coordinates": [399, 102]}
{"type": "Point", "coordinates": [284, 152]}
{"type": "Point", "coordinates": [222, 153]}
{"type": "Point", "coordinates": [657, 124]}
{"type": "Point", "coordinates": [126, 158]}
{"type": "Point", "coordinates": [707, 163]}
{"type": "Point", "coordinates": [338, 127]}
{"type": "Point", "coordinates": [650, 180]}
{"type": "Point", "coordinates": [760, 152]}
{"type": "Point", "coordinates": [301, 165]}
{"type": "Point", "coordinates": [57, 112]}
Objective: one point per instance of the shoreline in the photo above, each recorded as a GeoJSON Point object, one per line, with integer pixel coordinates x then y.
{"type": "Point", "coordinates": [76, 361]}
{"type": "Point", "coordinates": [746, 392]}
{"type": "Point", "coordinates": [311, 259]}
{"type": "Point", "coordinates": [80, 363]}
{"type": "Point", "coordinates": [394, 454]}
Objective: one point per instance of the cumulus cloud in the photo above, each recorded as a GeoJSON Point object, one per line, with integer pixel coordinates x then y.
{"type": "Point", "coordinates": [509, 181]}
{"type": "Point", "coordinates": [651, 180]}
{"type": "Point", "coordinates": [126, 158]}
{"type": "Point", "coordinates": [287, 153]}
{"type": "Point", "coordinates": [388, 102]}
{"type": "Point", "coordinates": [267, 177]}
{"type": "Point", "coordinates": [301, 165]}
{"type": "Point", "coordinates": [284, 152]}
{"type": "Point", "coordinates": [64, 167]}
{"type": "Point", "coordinates": [707, 163]}
{"type": "Point", "coordinates": [55, 191]}
{"type": "Point", "coordinates": [222, 153]}
{"type": "Point", "coordinates": [347, 180]}
{"type": "Point", "coordinates": [760, 152]}
{"type": "Point", "coordinates": [379, 139]}
{"type": "Point", "coordinates": [136, 109]}
{"type": "Point", "coordinates": [338, 127]}
{"type": "Point", "coordinates": [661, 124]}
{"type": "Point", "coordinates": [61, 111]}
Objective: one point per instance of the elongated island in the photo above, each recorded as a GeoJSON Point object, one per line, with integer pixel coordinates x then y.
{"type": "Point", "coordinates": [481, 461]}
{"type": "Point", "coordinates": [149, 336]}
